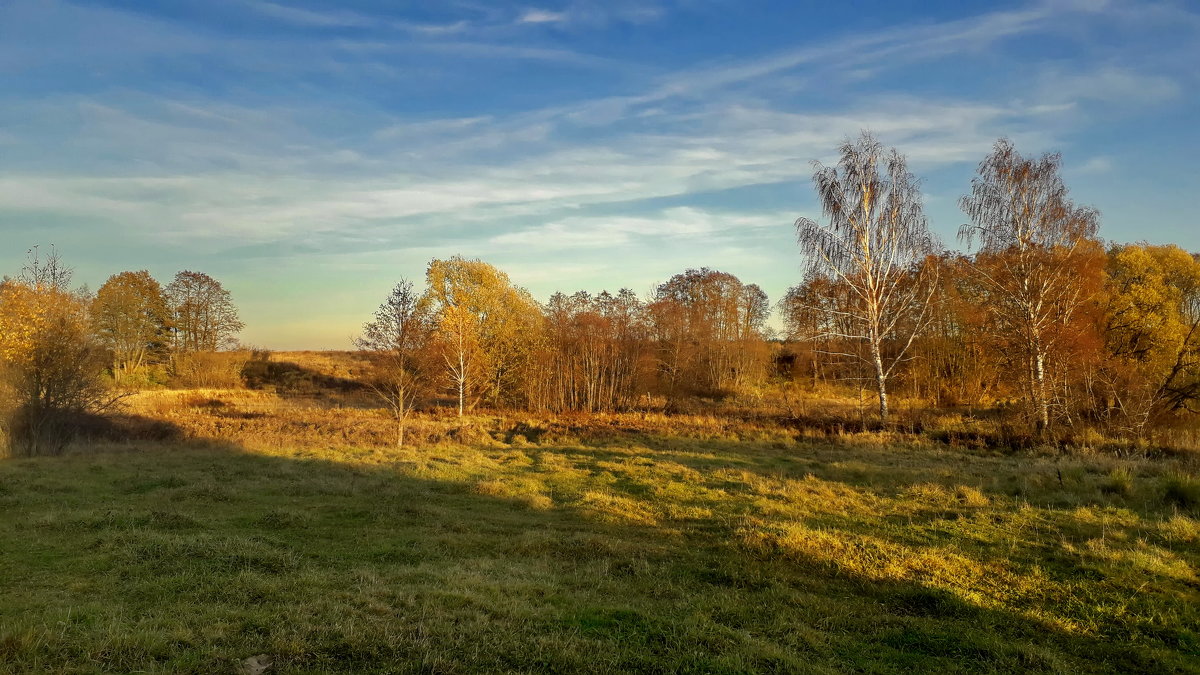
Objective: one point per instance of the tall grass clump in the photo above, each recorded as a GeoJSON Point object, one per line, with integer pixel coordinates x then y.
{"type": "Point", "coordinates": [1182, 490]}
{"type": "Point", "coordinates": [1119, 483]}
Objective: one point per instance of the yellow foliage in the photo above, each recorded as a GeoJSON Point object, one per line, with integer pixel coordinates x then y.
{"type": "Point", "coordinates": [1150, 285]}
{"type": "Point", "coordinates": [1151, 330]}
{"type": "Point", "coordinates": [486, 329]}
{"type": "Point", "coordinates": [23, 313]}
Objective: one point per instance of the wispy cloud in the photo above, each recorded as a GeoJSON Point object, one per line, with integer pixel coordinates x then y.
{"type": "Point", "coordinates": [595, 13]}
{"type": "Point", "coordinates": [889, 48]}
{"type": "Point", "coordinates": [307, 17]}
{"type": "Point", "coordinates": [261, 197]}
{"type": "Point", "coordinates": [262, 174]}
{"type": "Point", "coordinates": [432, 29]}
{"type": "Point", "coordinates": [619, 231]}
{"type": "Point", "coordinates": [1109, 84]}
{"type": "Point", "coordinates": [542, 16]}
{"type": "Point", "coordinates": [1100, 164]}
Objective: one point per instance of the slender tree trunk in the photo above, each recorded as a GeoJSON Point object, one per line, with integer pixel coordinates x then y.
{"type": "Point", "coordinates": [1039, 391]}
{"type": "Point", "coordinates": [880, 380]}
{"type": "Point", "coordinates": [401, 414]}
{"type": "Point", "coordinates": [462, 378]}
{"type": "Point", "coordinates": [462, 386]}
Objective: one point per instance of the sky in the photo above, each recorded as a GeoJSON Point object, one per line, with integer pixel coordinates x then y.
{"type": "Point", "coordinates": [311, 154]}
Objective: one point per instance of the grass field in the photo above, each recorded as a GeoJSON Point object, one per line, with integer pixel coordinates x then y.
{"type": "Point", "coordinates": [687, 546]}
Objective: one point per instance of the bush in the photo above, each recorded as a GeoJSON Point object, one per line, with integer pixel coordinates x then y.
{"type": "Point", "coordinates": [210, 370]}
{"type": "Point", "coordinates": [48, 432]}
{"type": "Point", "coordinates": [53, 374]}
{"type": "Point", "coordinates": [147, 377]}
{"type": "Point", "coordinates": [31, 432]}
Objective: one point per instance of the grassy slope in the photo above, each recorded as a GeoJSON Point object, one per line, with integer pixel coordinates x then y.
{"type": "Point", "coordinates": [642, 553]}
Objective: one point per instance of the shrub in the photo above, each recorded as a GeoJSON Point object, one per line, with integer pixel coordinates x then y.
{"type": "Point", "coordinates": [51, 375]}
{"type": "Point", "coordinates": [210, 370]}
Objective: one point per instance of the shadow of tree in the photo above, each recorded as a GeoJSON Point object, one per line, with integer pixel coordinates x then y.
{"type": "Point", "coordinates": [292, 379]}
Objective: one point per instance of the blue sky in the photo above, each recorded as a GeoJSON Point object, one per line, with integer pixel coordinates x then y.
{"type": "Point", "coordinates": [310, 154]}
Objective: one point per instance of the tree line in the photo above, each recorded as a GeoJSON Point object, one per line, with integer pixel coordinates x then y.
{"type": "Point", "coordinates": [1041, 315]}
{"type": "Point", "coordinates": [66, 352]}
{"type": "Point", "coordinates": [1039, 318]}
{"type": "Point", "coordinates": [474, 335]}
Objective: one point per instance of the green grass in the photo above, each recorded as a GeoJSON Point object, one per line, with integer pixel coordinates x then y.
{"type": "Point", "coordinates": [635, 554]}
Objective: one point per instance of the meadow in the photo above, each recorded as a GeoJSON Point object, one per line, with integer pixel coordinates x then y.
{"type": "Point", "coordinates": [224, 525]}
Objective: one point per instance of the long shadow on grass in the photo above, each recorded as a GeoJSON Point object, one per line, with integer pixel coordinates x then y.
{"type": "Point", "coordinates": [175, 556]}
{"type": "Point", "coordinates": [880, 469]}
{"type": "Point", "coordinates": [908, 499]}
{"type": "Point", "coordinates": [868, 467]}
{"type": "Point", "coordinates": [290, 378]}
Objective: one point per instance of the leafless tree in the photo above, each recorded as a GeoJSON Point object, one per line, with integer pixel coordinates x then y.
{"type": "Point", "coordinates": [204, 318]}
{"type": "Point", "coordinates": [875, 241]}
{"type": "Point", "coordinates": [1033, 245]}
{"type": "Point", "coordinates": [45, 273]}
{"type": "Point", "coordinates": [398, 339]}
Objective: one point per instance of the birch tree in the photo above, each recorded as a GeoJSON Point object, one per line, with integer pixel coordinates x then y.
{"type": "Point", "coordinates": [486, 329]}
{"type": "Point", "coordinates": [459, 341]}
{"type": "Point", "coordinates": [874, 241]}
{"type": "Point", "coordinates": [1035, 248]}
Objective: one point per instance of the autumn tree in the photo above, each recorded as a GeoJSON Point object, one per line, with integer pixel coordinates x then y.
{"type": "Point", "coordinates": [959, 357]}
{"type": "Point", "coordinates": [129, 314]}
{"type": "Point", "coordinates": [750, 351]}
{"type": "Point", "coordinates": [1035, 263]}
{"type": "Point", "coordinates": [1151, 335]}
{"type": "Point", "coordinates": [874, 243]}
{"type": "Point", "coordinates": [595, 351]}
{"type": "Point", "coordinates": [486, 329]}
{"type": "Point", "coordinates": [576, 355]}
{"type": "Point", "coordinates": [708, 326]}
{"type": "Point", "coordinates": [203, 316]}
{"type": "Point", "coordinates": [461, 351]}
{"type": "Point", "coordinates": [50, 363]}
{"type": "Point", "coordinates": [398, 339]}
